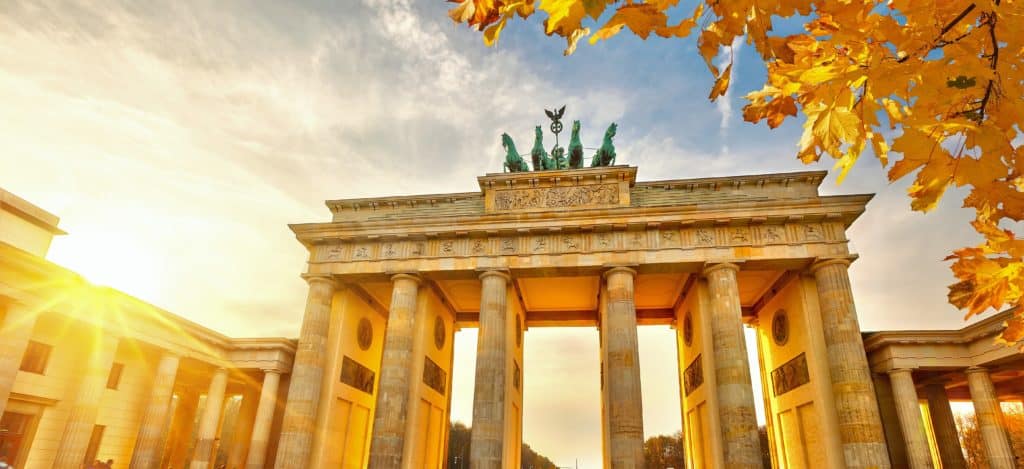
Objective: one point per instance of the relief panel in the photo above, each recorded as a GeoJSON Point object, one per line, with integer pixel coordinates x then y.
{"type": "Point", "coordinates": [790, 375]}
{"type": "Point", "coordinates": [597, 195]}
{"type": "Point", "coordinates": [693, 377]}
{"type": "Point", "coordinates": [356, 375]}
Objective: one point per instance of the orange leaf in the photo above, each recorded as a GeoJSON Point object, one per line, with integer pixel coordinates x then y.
{"type": "Point", "coordinates": [721, 84]}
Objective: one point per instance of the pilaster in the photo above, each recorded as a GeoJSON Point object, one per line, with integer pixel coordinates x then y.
{"type": "Point", "coordinates": [15, 332]}
{"type": "Point", "coordinates": [74, 441]}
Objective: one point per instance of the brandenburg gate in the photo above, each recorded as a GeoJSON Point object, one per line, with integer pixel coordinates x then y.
{"type": "Point", "coordinates": [392, 278]}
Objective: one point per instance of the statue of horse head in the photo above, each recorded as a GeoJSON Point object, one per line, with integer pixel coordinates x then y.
{"type": "Point", "coordinates": [611, 131]}
{"type": "Point", "coordinates": [576, 128]}
{"type": "Point", "coordinates": [506, 142]}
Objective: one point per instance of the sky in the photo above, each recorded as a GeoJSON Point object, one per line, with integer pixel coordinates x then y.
{"type": "Point", "coordinates": [177, 140]}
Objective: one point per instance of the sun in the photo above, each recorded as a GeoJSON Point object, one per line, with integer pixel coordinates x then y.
{"type": "Point", "coordinates": [113, 260]}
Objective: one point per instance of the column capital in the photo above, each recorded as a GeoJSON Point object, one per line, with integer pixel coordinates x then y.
{"type": "Point", "coordinates": [619, 269]}
{"type": "Point", "coordinates": [315, 278]}
{"type": "Point", "coordinates": [407, 276]}
{"type": "Point", "coordinates": [712, 267]}
{"type": "Point", "coordinates": [827, 261]}
{"type": "Point", "coordinates": [897, 371]}
{"type": "Point", "coordinates": [496, 273]}
{"type": "Point", "coordinates": [271, 371]}
{"type": "Point", "coordinates": [975, 369]}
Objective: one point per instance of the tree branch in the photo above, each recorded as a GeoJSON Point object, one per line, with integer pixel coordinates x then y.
{"type": "Point", "coordinates": [938, 42]}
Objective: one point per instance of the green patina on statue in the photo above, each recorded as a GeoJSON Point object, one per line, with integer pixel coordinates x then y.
{"type": "Point", "coordinates": [575, 147]}
{"type": "Point", "coordinates": [541, 160]}
{"type": "Point", "coordinates": [513, 162]}
{"type": "Point", "coordinates": [605, 155]}
{"type": "Point", "coordinates": [559, 158]}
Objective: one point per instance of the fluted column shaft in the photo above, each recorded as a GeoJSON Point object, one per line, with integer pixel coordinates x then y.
{"type": "Point", "coordinates": [860, 425]}
{"type": "Point", "coordinates": [944, 425]}
{"type": "Point", "coordinates": [207, 435]}
{"type": "Point", "coordinates": [991, 422]}
{"type": "Point", "coordinates": [263, 421]}
{"type": "Point", "coordinates": [908, 409]}
{"type": "Point", "coordinates": [488, 432]}
{"type": "Point", "coordinates": [149, 442]}
{"type": "Point", "coordinates": [622, 360]}
{"type": "Point", "coordinates": [389, 420]}
{"type": "Point", "coordinates": [180, 436]}
{"type": "Point", "coordinates": [734, 390]}
{"type": "Point", "coordinates": [74, 442]}
{"type": "Point", "coordinates": [297, 427]}
{"type": "Point", "coordinates": [15, 332]}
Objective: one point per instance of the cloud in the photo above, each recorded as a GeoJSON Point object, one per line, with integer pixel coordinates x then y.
{"type": "Point", "coordinates": [724, 102]}
{"type": "Point", "coordinates": [177, 140]}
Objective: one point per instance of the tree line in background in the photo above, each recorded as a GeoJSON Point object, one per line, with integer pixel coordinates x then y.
{"type": "Point", "coordinates": [660, 452]}
{"type": "Point", "coordinates": [667, 451]}
{"type": "Point", "coordinates": [970, 437]}
{"type": "Point", "coordinates": [458, 450]}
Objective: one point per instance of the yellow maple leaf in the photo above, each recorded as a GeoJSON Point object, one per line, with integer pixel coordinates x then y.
{"type": "Point", "coordinates": [721, 84]}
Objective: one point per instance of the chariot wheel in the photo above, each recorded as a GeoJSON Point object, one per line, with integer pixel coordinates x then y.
{"type": "Point", "coordinates": [556, 127]}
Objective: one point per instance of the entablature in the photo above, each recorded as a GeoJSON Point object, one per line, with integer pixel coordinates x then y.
{"type": "Point", "coordinates": [577, 190]}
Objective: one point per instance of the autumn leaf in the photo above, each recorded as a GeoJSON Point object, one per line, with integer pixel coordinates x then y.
{"type": "Point", "coordinates": [721, 84]}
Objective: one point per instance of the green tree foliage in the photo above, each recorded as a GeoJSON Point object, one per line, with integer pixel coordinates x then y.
{"type": "Point", "coordinates": [665, 451]}
{"type": "Point", "coordinates": [532, 460]}
{"type": "Point", "coordinates": [458, 450]}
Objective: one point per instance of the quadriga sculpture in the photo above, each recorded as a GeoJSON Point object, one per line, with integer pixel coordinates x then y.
{"type": "Point", "coordinates": [575, 147]}
{"type": "Point", "coordinates": [605, 155]}
{"type": "Point", "coordinates": [513, 162]}
{"type": "Point", "coordinates": [541, 160]}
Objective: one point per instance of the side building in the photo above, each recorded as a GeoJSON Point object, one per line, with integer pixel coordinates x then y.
{"type": "Point", "coordinates": [89, 372]}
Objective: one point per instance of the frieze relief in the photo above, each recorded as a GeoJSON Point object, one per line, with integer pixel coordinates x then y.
{"type": "Point", "coordinates": [557, 197]}
{"type": "Point", "coordinates": [553, 243]}
{"type": "Point", "coordinates": [790, 375]}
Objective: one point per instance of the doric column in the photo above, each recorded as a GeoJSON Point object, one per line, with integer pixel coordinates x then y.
{"type": "Point", "coordinates": [263, 421]}
{"type": "Point", "coordinates": [622, 381]}
{"type": "Point", "coordinates": [149, 442]}
{"type": "Point", "coordinates": [15, 332]}
{"type": "Point", "coordinates": [180, 436]}
{"type": "Point", "coordinates": [389, 420]}
{"type": "Point", "coordinates": [990, 419]}
{"type": "Point", "coordinates": [734, 390]}
{"type": "Point", "coordinates": [74, 442]}
{"type": "Point", "coordinates": [908, 409]}
{"type": "Point", "coordinates": [293, 450]}
{"type": "Point", "coordinates": [944, 425]}
{"type": "Point", "coordinates": [860, 425]}
{"type": "Point", "coordinates": [208, 423]}
{"type": "Point", "coordinates": [488, 433]}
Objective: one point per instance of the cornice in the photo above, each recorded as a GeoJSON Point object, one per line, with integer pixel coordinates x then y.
{"type": "Point", "coordinates": [30, 212]}
{"type": "Point", "coordinates": [989, 327]}
{"type": "Point", "coordinates": [846, 208]}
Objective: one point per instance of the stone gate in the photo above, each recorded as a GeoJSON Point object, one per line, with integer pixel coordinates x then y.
{"type": "Point", "coordinates": [392, 278]}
